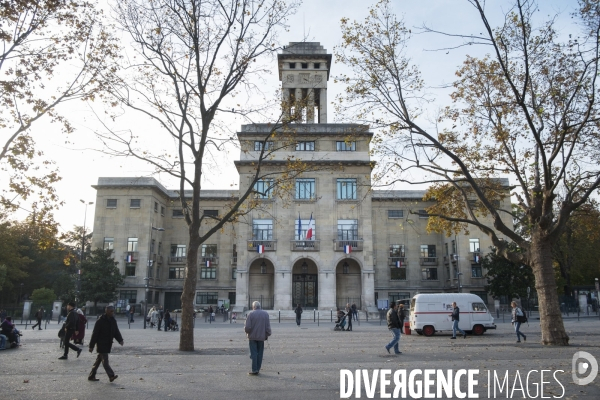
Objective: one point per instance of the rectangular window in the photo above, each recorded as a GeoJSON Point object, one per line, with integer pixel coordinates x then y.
{"type": "Point", "coordinates": [476, 271]}
{"type": "Point", "coordinates": [292, 65]}
{"type": "Point", "coordinates": [258, 145]}
{"type": "Point", "coordinates": [178, 252]}
{"type": "Point", "coordinates": [155, 207]}
{"type": "Point", "coordinates": [429, 274]}
{"type": "Point", "coordinates": [305, 188]}
{"type": "Point", "coordinates": [109, 243]}
{"type": "Point", "coordinates": [345, 146]}
{"type": "Point", "coordinates": [304, 229]}
{"type": "Point", "coordinates": [208, 273]}
{"type": "Point", "coordinates": [474, 245]}
{"type": "Point", "coordinates": [397, 250]}
{"type": "Point", "coordinates": [395, 213]}
{"type": "Point", "coordinates": [177, 213]}
{"type": "Point", "coordinates": [211, 213]}
{"type": "Point", "coordinates": [209, 250]}
{"type": "Point", "coordinates": [234, 273]}
{"type": "Point", "coordinates": [111, 203]}
{"type": "Point", "coordinates": [207, 297]}
{"type": "Point", "coordinates": [347, 229]}
{"type": "Point", "coordinates": [423, 214]}
{"type": "Point", "coordinates": [305, 146]}
{"type": "Point", "coordinates": [130, 295]}
{"type": "Point", "coordinates": [304, 65]}
{"type": "Point", "coordinates": [262, 229]}
{"type": "Point", "coordinates": [152, 244]}
{"type": "Point", "coordinates": [176, 272]}
{"type": "Point", "coordinates": [129, 269]}
{"type": "Point", "coordinates": [135, 203]}
{"type": "Point", "coordinates": [428, 250]}
{"type": "Point", "coordinates": [162, 210]}
{"type": "Point", "coordinates": [264, 188]}
{"type": "Point", "coordinates": [398, 274]}
{"type": "Point", "coordinates": [346, 189]}
{"type": "Point", "coordinates": [317, 65]}
{"type": "Point", "coordinates": [132, 244]}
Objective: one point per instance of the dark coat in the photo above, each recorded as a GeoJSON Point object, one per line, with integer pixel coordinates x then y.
{"type": "Point", "coordinates": [298, 311]}
{"type": "Point", "coordinates": [456, 314]}
{"type": "Point", "coordinates": [105, 331]}
{"type": "Point", "coordinates": [392, 319]}
{"type": "Point", "coordinates": [80, 328]}
{"type": "Point", "coordinates": [72, 321]}
{"type": "Point", "coordinates": [401, 315]}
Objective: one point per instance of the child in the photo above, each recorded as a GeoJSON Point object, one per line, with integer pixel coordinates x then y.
{"type": "Point", "coordinates": [234, 317]}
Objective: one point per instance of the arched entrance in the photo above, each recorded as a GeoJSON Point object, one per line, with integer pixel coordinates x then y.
{"type": "Point", "coordinates": [261, 283]}
{"type": "Point", "coordinates": [348, 284]}
{"type": "Point", "coordinates": [305, 281]}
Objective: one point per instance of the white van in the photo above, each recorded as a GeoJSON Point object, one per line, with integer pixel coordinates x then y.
{"type": "Point", "coordinates": [430, 313]}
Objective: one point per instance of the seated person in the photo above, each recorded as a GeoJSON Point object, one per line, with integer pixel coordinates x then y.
{"type": "Point", "coordinates": [7, 328]}
{"type": "Point", "coordinates": [3, 340]}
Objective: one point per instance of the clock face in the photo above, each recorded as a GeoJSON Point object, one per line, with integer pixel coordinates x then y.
{"type": "Point", "coordinates": [304, 78]}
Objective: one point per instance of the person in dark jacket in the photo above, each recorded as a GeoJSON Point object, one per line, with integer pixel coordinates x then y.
{"type": "Point", "coordinates": [298, 312]}
{"type": "Point", "coordinates": [394, 326]}
{"type": "Point", "coordinates": [167, 320]}
{"type": "Point", "coordinates": [78, 338]}
{"type": "Point", "coordinates": [71, 328]}
{"type": "Point", "coordinates": [456, 318]}
{"type": "Point", "coordinates": [105, 331]}
{"type": "Point", "coordinates": [349, 316]}
{"type": "Point", "coordinates": [38, 317]}
{"type": "Point", "coordinates": [161, 315]}
{"type": "Point", "coordinates": [401, 314]}
{"type": "Point", "coordinates": [354, 312]}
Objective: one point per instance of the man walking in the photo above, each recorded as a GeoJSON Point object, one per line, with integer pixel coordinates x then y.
{"type": "Point", "coordinates": [38, 316]}
{"type": "Point", "coordinates": [298, 312]}
{"type": "Point", "coordinates": [258, 329]}
{"type": "Point", "coordinates": [161, 315]}
{"type": "Point", "coordinates": [349, 316]}
{"type": "Point", "coordinates": [105, 331]}
{"type": "Point", "coordinates": [129, 313]}
{"type": "Point", "coordinates": [394, 327]}
{"type": "Point", "coordinates": [456, 318]}
{"type": "Point", "coordinates": [70, 328]}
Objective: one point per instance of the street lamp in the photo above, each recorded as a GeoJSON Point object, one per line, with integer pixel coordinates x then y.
{"type": "Point", "coordinates": [82, 247]}
{"type": "Point", "coordinates": [459, 286]}
{"type": "Point", "coordinates": [147, 278]}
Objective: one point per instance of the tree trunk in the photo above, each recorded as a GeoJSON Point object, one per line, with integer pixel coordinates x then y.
{"type": "Point", "coordinates": [186, 337]}
{"type": "Point", "coordinates": [551, 322]}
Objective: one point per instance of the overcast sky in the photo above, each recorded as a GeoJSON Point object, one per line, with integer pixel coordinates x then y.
{"type": "Point", "coordinates": [318, 20]}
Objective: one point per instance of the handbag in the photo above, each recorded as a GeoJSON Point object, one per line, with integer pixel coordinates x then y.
{"type": "Point", "coordinates": [61, 331]}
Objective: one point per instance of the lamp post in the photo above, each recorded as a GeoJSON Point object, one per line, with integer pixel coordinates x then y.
{"type": "Point", "coordinates": [150, 265]}
{"type": "Point", "coordinates": [82, 247]}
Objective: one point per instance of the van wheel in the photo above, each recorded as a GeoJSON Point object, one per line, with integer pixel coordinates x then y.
{"type": "Point", "coordinates": [428, 330]}
{"type": "Point", "coordinates": [478, 330]}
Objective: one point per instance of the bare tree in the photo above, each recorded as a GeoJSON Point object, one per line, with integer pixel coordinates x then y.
{"type": "Point", "coordinates": [527, 111]}
{"type": "Point", "coordinates": [191, 57]}
{"type": "Point", "coordinates": [53, 51]}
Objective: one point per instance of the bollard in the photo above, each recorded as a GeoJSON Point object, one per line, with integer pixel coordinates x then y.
{"type": "Point", "coordinates": [46, 325]}
{"type": "Point", "coordinates": [318, 318]}
{"type": "Point", "coordinates": [331, 310]}
{"type": "Point", "coordinates": [279, 316]}
{"type": "Point", "coordinates": [358, 318]}
{"type": "Point", "coordinates": [129, 322]}
{"type": "Point", "coordinates": [367, 314]}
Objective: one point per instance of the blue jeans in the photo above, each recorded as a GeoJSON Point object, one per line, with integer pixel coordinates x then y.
{"type": "Point", "coordinates": [395, 341]}
{"type": "Point", "coordinates": [518, 331]}
{"type": "Point", "coordinates": [2, 341]}
{"type": "Point", "coordinates": [257, 348]}
{"type": "Point", "coordinates": [456, 328]}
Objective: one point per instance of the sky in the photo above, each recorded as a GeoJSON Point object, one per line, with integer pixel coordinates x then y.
{"type": "Point", "coordinates": [81, 163]}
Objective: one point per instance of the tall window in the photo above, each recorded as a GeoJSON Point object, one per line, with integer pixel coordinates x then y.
{"type": "Point", "coordinates": [135, 203]}
{"type": "Point", "coordinates": [445, 249]}
{"type": "Point", "coordinates": [258, 145]}
{"type": "Point", "coordinates": [305, 188]}
{"type": "Point", "coordinates": [155, 207]}
{"type": "Point", "coordinates": [397, 250]}
{"type": "Point", "coordinates": [128, 295]}
{"type": "Point", "coordinates": [476, 271]}
{"type": "Point", "coordinates": [129, 269]}
{"type": "Point", "coordinates": [303, 229]}
{"type": "Point", "coordinates": [429, 274]}
{"type": "Point", "coordinates": [132, 244]}
{"type": "Point", "coordinates": [111, 203]}
{"type": "Point", "coordinates": [345, 146]}
{"type": "Point", "coordinates": [178, 252]}
{"type": "Point", "coordinates": [474, 245]}
{"type": "Point", "coordinates": [176, 272]}
{"type": "Point", "coordinates": [208, 273]}
{"type": "Point", "coordinates": [209, 251]}
{"type": "Point", "coordinates": [454, 247]}
{"type": "Point", "coordinates": [152, 246]}
{"type": "Point", "coordinates": [346, 189]}
{"type": "Point", "coordinates": [398, 273]}
{"type": "Point", "coordinates": [262, 229]}
{"type": "Point", "coordinates": [428, 250]}
{"type": "Point", "coordinates": [305, 146]}
{"type": "Point", "coordinates": [162, 210]}
{"type": "Point", "coordinates": [109, 243]}
{"type": "Point", "coordinates": [347, 229]}
{"type": "Point", "coordinates": [263, 188]}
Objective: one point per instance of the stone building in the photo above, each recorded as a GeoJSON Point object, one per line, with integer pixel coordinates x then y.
{"type": "Point", "coordinates": [365, 246]}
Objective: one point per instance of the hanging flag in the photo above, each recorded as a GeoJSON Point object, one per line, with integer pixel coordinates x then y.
{"type": "Point", "coordinates": [311, 229]}
{"type": "Point", "coordinates": [398, 264]}
{"type": "Point", "coordinates": [260, 249]}
{"type": "Point", "coordinates": [129, 258]}
{"type": "Point", "coordinates": [477, 258]}
{"type": "Point", "coordinates": [299, 227]}
{"type": "Point", "coordinates": [208, 263]}
{"type": "Point", "coordinates": [347, 249]}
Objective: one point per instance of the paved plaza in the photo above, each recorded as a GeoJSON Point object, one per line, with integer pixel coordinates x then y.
{"type": "Point", "coordinates": [308, 359]}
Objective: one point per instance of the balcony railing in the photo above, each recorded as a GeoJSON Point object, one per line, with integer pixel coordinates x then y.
{"type": "Point", "coordinates": [213, 260]}
{"type": "Point", "coordinates": [339, 245]}
{"type": "Point", "coordinates": [268, 245]}
{"type": "Point", "coordinates": [393, 260]}
{"type": "Point", "coordinates": [305, 245]}
{"type": "Point", "coordinates": [177, 260]}
{"type": "Point", "coordinates": [131, 256]}
{"type": "Point", "coordinates": [429, 261]}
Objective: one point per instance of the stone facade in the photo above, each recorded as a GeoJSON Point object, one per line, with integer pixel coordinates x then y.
{"type": "Point", "coordinates": [366, 246]}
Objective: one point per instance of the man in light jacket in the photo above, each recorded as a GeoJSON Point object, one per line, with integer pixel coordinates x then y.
{"type": "Point", "coordinates": [258, 329]}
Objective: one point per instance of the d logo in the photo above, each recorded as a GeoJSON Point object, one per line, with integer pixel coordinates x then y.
{"type": "Point", "coordinates": [580, 367]}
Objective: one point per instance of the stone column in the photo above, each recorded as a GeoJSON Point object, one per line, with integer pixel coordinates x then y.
{"type": "Point", "coordinates": [298, 106]}
{"type": "Point", "coordinates": [286, 103]}
{"type": "Point", "coordinates": [310, 107]}
{"type": "Point", "coordinates": [323, 106]}
{"type": "Point", "coordinates": [368, 289]}
{"type": "Point", "coordinates": [327, 291]}
{"type": "Point", "coordinates": [283, 290]}
{"type": "Point", "coordinates": [241, 291]}
{"type": "Point", "coordinates": [27, 308]}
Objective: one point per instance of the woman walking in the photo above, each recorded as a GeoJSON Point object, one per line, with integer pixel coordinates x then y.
{"type": "Point", "coordinates": [518, 317]}
{"type": "Point", "coordinates": [81, 322]}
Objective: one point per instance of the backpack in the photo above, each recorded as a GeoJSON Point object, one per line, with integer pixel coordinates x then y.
{"type": "Point", "coordinates": [521, 318]}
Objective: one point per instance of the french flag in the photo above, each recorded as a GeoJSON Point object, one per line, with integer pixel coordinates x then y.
{"type": "Point", "coordinates": [477, 258]}
{"type": "Point", "coordinates": [260, 249]}
{"type": "Point", "coordinates": [347, 249]}
{"type": "Point", "coordinates": [311, 229]}
{"type": "Point", "coordinates": [129, 258]}
{"type": "Point", "coordinates": [208, 263]}
{"type": "Point", "coordinates": [398, 264]}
